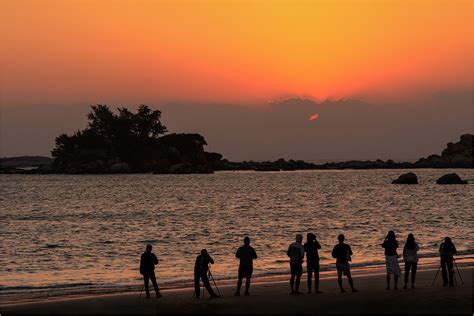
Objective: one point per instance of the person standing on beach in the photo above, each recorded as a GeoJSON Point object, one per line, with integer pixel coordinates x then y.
{"type": "Point", "coordinates": [343, 252]}
{"type": "Point", "coordinates": [391, 258]}
{"type": "Point", "coordinates": [148, 261]}
{"type": "Point", "coordinates": [296, 254]}
{"type": "Point", "coordinates": [410, 257]}
{"type": "Point", "coordinates": [201, 267]}
{"type": "Point", "coordinates": [312, 261]}
{"type": "Point", "coordinates": [246, 254]}
{"type": "Point", "coordinates": [446, 252]}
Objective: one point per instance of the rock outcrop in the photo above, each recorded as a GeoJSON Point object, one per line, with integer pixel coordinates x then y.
{"type": "Point", "coordinates": [456, 155]}
{"type": "Point", "coordinates": [451, 178]}
{"type": "Point", "coordinates": [406, 178]}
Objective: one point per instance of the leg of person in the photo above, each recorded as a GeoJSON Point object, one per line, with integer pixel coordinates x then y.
{"type": "Point", "coordinates": [316, 278]}
{"type": "Point", "coordinates": [395, 279]}
{"type": "Point", "coordinates": [247, 285]}
{"type": "Point", "coordinates": [292, 283]}
{"type": "Point", "coordinates": [197, 290]}
{"type": "Point", "coordinates": [351, 282]}
{"type": "Point", "coordinates": [297, 284]}
{"type": "Point", "coordinates": [413, 274]}
{"type": "Point", "coordinates": [239, 285]}
{"type": "Point", "coordinates": [155, 285]}
{"type": "Point", "coordinates": [309, 269]}
{"type": "Point", "coordinates": [239, 281]}
{"type": "Point", "coordinates": [388, 280]}
{"type": "Point", "coordinates": [449, 263]}
{"type": "Point", "coordinates": [146, 277]}
{"type": "Point", "coordinates": [407, 272]}
{"type": "Point", "coordinates": [339, 279]}
{"type": "Point", "coordinates": [444, 272]}
{"type": "Point", "coordinates": [207, 285]}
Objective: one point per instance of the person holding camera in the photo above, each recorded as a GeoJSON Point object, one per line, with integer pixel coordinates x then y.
{"type": "Point", "coordinates": [390, 245]}
{"type": "Point", "coordinates": [343, 252]}
{"type": "Point", "coordinates": [201, 267]}
{"type": "Point", "coordinates": [312, 261]}
{"type": "Point", "coordinates": [148, 261]}
{"type": "Point", "coordinates": [446, 252]}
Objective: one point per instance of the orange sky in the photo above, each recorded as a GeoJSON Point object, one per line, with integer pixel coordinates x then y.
{"type": "Point", "coordinates": [231, 51]}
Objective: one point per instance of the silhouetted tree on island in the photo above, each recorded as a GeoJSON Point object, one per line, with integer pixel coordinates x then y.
{"type": "Point", "coordinates": [129, 142]}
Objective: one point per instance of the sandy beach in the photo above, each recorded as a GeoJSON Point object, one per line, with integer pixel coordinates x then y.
{"type": "Point", "coordinates": [273, 297]}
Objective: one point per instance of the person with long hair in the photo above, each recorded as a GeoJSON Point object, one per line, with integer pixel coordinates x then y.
{"type": "Point", "coordinates": [410, 257]}
{"type": "Point", "coordinates": [312, 261]}
{"type": "Point", "coordinates": [391, 258]}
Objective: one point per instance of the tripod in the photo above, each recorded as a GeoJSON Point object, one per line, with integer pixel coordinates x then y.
{"type": "Point", "coordinates": [454, 274]}
{"type": "Point", "coordinates": [210, 278]}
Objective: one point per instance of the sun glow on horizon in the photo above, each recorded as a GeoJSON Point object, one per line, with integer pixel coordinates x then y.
{"type": "Point", "coordinates": [232, 51]}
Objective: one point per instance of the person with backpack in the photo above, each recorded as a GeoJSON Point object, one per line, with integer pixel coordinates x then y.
{"type": "Point", "coordinates": [148, 261]}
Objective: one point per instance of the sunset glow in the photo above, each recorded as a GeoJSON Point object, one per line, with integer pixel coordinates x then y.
{"type": "Point", "coordinates": [232, 51]}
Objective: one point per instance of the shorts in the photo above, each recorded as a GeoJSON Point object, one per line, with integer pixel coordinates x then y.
{"type": "Point", "coordinates": [344, 267]}
{"type": "Point", "coordinates": [296, 268]}
{"type": "Point", "coordinates": [245, 272]}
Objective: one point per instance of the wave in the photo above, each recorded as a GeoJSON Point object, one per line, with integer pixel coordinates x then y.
{"type": "Point", "coordinates": [80, 288]}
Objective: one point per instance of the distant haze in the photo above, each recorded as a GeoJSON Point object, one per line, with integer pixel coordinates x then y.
{"type": "Point", "coordinates": [343, 129]}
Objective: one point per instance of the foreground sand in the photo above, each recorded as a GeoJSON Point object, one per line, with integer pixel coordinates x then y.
{"type": "Point", "coordinates": [273, 297]}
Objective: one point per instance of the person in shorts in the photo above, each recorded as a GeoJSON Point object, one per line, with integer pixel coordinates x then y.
{"type": "Point", "coordinates": [246, 254]}
{"type": "Point", "coordinates": [343, 252]}
{"type": "Point", "coordinates": [296, 254]}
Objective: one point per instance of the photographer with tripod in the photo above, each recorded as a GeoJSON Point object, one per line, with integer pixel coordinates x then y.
{"type": "Point", "coordinates": [201, 268]}
{"type": "Point", "coordinates": [446, 252]}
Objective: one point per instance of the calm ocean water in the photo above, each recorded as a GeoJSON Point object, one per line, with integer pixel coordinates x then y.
{"type": "Point", "coordinates": [81, 232]}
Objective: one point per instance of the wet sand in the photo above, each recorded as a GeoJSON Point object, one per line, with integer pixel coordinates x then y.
{"type": "Point", "coordinates": [273, 297]}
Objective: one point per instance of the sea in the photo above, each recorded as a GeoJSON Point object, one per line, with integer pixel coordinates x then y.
{"type": "Point", "coordinates": [79, 233]}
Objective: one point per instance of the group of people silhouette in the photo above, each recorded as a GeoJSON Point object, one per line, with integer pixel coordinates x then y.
{"type": "Point", "coordinates": [342, 252]}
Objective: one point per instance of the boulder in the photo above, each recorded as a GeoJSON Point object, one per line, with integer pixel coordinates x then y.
{"type": "Point", "coordinates": [451, 178]}
{"type": "Point", "coordinates": [407, 178]}
{"type": "Point", "coordinates": [181, 168]}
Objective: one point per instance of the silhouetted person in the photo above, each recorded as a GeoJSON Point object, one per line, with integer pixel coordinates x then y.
{"type": "Point", "coordinates": [446, 252]}
{"type": "Point", "coordinates": [312, 260]}
{"type": "Point", "coordinates": [296, 254]}
{"type": "Point", "coordinates": [148, 261]}
{"type": "Point", "coordinates": [246, 254]}
{"type": "Point", "coordinates": [343, 252]}
{"type": "Point", "coordinates": [201, 267]}
{"type": "Point", "coordinates": [410, 257]}
{"type": "Point", "coordinates": [391, 258]}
